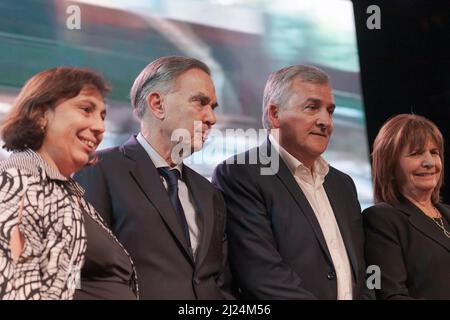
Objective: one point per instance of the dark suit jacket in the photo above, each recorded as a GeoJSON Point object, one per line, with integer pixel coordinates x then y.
{"type": "Point", "coordinates": [276, 246]}
{"type": "Point", "coordinates": [126, 189]}
{"type": "Point", "coordinates": [411, 251]}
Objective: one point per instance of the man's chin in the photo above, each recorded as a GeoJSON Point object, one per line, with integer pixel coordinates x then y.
{"type": "Point", "coordinates": [320, 148]}
{"type": "Point", "coordinates": [197, 146]}
{"type": "Point", "coordinates": [181, 151]}
{"type": "Point", "coordinates": [317, 152]}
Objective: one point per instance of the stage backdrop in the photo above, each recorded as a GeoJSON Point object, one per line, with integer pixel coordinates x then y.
{"type": "Point", "coordinates": [242, 42]}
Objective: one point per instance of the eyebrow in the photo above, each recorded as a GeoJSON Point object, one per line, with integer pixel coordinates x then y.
{"type": "Point", "coordinates": [204, 99]}
{"type": "Point", "coordinates": [318, 101]}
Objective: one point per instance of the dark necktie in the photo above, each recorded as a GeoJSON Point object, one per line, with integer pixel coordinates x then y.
{"type": "Point", "coordinates": [171, 177]}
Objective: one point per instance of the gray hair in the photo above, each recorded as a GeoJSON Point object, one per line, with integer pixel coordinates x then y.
{"type": "Point", "coordinates": [159, 75]}
{"type": "Point", "coordinates": [279, 83]}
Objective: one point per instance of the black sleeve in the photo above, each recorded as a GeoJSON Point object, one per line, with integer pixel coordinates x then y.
{"type": "Point", "coordinates": [365, 293]}
{"type": "Point", "coordinates": [225, 283]}
{"type": "Point", "coordinates": [383, 248]}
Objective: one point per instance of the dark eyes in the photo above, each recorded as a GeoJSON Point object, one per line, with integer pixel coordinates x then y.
{"type": "Point", "coordinates": [317, 107]}
{"type": "Point", "coordinates": [87, 109]}
{"type": "Point", "coordinates": [436, 152]}
{"type": "Point", "coordinates": [418, 153]}
{"type": "Point", "coordinates": [90, 109]}
{"type": "Point", "coordinates": [205, 101]}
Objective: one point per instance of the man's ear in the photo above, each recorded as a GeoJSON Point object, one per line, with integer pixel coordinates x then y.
{"type": "Point", "coordinates": [273, 113]}
{"type": "Point", "coordinates": [155, 105]}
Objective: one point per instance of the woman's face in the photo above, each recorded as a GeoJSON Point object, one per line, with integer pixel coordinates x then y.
{"type": "Point", "coordinates": [73, 130]}
{"type": "Point", "coordinates": [419, 171]}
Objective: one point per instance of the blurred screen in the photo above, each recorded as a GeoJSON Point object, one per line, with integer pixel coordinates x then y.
{"type": "Point", "coordinates": [241, 41]}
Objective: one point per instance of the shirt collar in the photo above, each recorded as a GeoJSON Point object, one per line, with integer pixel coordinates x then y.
{"type": "Point", "coordinates": [156, 158]}
{"type": "Point", "coordinates": [297, 168]}
{"type": "Point", "coordinates": [36, 162]}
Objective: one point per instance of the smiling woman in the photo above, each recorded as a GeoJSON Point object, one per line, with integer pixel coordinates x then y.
{"type": "Point", "coordinates": [407, 231]}
{"type": "Point", "coordinates": [53, 129]}
{"type": "Point", "coordinates": [74, 129]}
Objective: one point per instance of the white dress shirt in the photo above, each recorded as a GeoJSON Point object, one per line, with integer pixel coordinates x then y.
{"type": "Point", "coordinates": [312, 186]}
{"type": "Point", "coordinates": [185, 196]}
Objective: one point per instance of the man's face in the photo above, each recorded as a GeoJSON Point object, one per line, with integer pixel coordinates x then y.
{"type": "Point", "coordinates": [306, 120]}
{"type": "Point", "coordinates": [192, 99]}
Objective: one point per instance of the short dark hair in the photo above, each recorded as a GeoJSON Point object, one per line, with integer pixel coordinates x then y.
{"type": "Point", "coordinates": [159, 75]}
{"type": "Point", "coordinates": [21, 129]}
{"type": "Point", "coordinates": [403, 130]}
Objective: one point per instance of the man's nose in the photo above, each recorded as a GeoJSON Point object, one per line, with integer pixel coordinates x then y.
{"type": "Point", "coordinates": [324, 119]}
{"type": "Point", "coordinates": [210, 116]}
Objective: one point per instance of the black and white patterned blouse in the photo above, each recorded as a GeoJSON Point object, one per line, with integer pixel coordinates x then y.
{"type": "Point", "coordinates": [52, 224]}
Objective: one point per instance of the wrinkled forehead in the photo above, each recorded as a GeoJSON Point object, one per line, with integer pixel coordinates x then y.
{"type": "Point", "coordinates": [194, 77]}
{"type": "Point", "coordinates": [311, 90]}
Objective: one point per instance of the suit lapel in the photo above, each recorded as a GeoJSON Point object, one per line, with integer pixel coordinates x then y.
{"type": "Point", "coordinates": [424, 224]}
{"type": "Point", "coordinates": [444, 210]}
{"type": "Point", "coordinates": [340, 209]}
{"type": "Point", "coordinates": [291, 185]}
{"type": "Point", "coordinates": [203, 199]}
{"type": "Point", "coordinates": [145, 175]}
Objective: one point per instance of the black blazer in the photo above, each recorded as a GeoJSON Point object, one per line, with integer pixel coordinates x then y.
{"type": "Point", "coordinates": [276, 246]}
{"type": "Point", "coordinates": [126, 189]}
{"type": "Point", "coordinates": [412, 252]}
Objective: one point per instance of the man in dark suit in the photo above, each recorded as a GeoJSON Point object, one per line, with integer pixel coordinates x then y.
{"type": "Point", "coordinates": [169, 218]}
{"type": "Point", "coordinates": [294, 222]}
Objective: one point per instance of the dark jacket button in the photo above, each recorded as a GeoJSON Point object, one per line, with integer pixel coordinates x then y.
{"type": "Point", "coordinates": [331, 275]}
